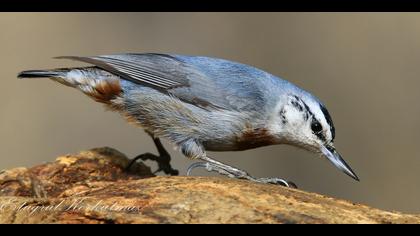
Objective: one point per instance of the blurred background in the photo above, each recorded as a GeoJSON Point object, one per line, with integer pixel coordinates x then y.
{"type": "Point", "coordinates": [364, 66]}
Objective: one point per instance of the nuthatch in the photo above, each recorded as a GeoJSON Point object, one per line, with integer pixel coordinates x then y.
{"type": "Point", "coordinates": [201, 103]}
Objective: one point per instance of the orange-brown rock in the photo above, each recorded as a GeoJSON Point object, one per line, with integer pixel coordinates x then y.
{"type": "Point", "coordinates": [92, 187]}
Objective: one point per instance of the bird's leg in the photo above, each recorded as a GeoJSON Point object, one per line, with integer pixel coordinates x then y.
{"type": "Point", "coordinates": [194, 150]}
{"type": "Point", "coordinates": [232, 172]}
{"type": "Point", "coordinates": [163, 160]}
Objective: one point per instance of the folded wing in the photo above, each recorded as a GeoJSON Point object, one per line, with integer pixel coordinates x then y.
{"type": "Point", "coordinates": [171, 75]}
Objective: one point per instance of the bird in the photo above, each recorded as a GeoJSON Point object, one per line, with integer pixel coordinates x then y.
{"type": "Point", "coordinates": [200, 104]}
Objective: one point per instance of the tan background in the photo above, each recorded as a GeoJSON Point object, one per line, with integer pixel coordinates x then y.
{"type": "Point", "coordinates": [364, 66]}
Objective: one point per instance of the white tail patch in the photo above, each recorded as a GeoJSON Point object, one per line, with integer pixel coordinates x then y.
{"type": "Point", "coordinates": [97, 84]}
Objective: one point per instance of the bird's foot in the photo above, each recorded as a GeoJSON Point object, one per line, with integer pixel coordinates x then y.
{"type": "Point", "coordinates": [236, 173]}
{"type": "Point", "coordinates": [162, 161]}
{"type": "Point", "coordinates": [276, 181]}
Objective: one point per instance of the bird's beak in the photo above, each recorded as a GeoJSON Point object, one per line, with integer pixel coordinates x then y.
{"type": "Point", "coordinates": [332, 155]}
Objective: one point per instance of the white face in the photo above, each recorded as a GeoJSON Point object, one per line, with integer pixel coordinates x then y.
{"type": "Point", "coordinates": [302, 123]}
{"type": "Point", "coordinates": [305, 123]}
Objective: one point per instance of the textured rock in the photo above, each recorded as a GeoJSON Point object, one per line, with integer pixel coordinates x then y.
{"type": "Point", "coordinates": [92, 187]}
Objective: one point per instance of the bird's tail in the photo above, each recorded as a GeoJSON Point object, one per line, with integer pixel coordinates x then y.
{"type": "Point", "coordinates": [58, 73]}
{"type": "Point", "coordinates": [98, 84]}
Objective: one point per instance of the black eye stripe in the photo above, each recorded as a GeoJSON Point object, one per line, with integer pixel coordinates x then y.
{"type": "Point", "coordinates": [329, 121]}
{"type": "Point", "coordinates": [302, 106]}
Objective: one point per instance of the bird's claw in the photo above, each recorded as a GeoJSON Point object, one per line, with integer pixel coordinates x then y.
{"type": "Point", "coordinates": [276, 181]}
{"type": "Point", "coordinates": [163, 165]}
{"type": "Point", "coordinates": [193, 166]}
{"type": "Point", "coordinates": [167, 170]}
{"type": "Point", "coordinates": [210, 167]}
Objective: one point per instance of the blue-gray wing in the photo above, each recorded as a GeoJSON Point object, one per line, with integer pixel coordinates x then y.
{"type": "Point", "coordinates": [201, 81]}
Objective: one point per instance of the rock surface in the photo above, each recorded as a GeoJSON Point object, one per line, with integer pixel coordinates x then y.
{"type": "Point", "coordinates": [92, 187]}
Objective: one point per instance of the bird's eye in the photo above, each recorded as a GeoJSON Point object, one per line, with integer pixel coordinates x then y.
{"type": "Point", "coordinates": [316, 127]}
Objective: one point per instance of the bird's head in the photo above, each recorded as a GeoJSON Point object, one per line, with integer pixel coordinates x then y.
{"type": "Point", "coordinates": [303, 121]}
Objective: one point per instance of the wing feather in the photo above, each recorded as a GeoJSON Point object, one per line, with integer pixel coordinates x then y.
{"type": "Point", "coordinates": [223, 85]}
